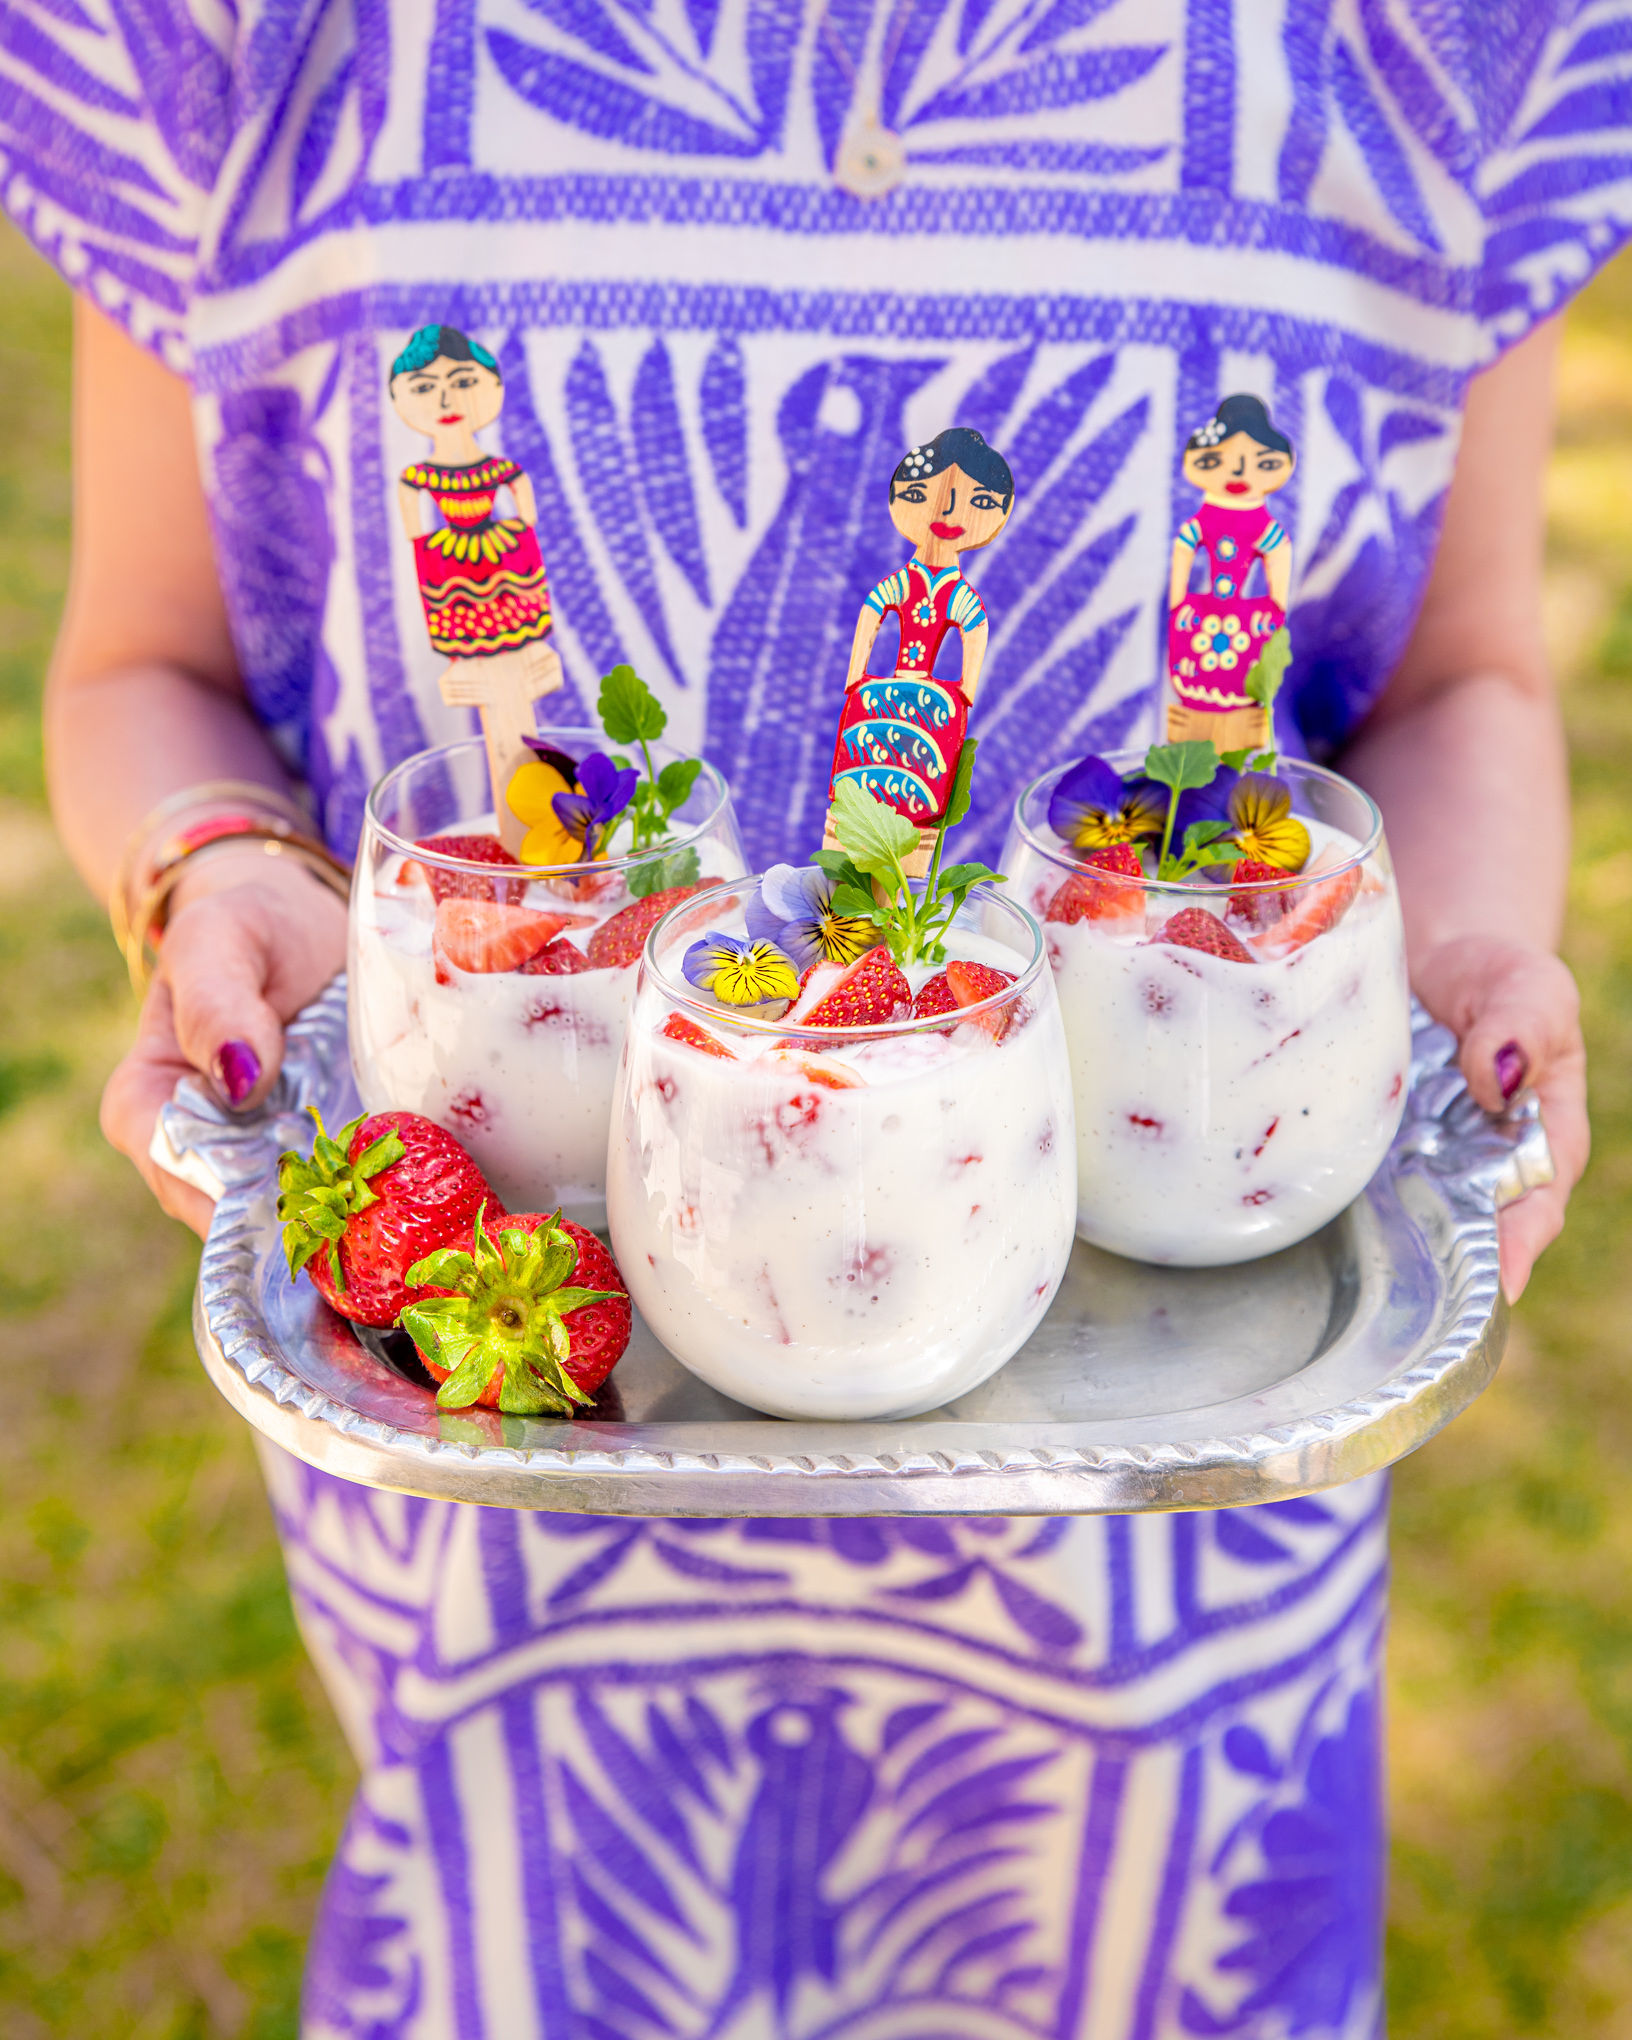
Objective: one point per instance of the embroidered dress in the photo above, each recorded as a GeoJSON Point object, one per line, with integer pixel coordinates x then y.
{"type": "Point", "coordinates": [1087, 1779]}
{"type": "Point", "coordinates": [481, 577]}
{"type": "Point", "coordinates": [1216, 633]}
{"type": "Point", "coordinates": [899, 738]}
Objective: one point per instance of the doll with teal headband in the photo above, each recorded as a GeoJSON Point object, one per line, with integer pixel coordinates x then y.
{"type": "Point", "coordinates": [481, 575]}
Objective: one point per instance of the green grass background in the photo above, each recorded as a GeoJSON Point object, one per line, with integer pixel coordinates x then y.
{"type": "Point", "coordinates": [170, 1778]}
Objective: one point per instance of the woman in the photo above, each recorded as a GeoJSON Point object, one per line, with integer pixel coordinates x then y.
{"type": "Point", "coordinates": [1087, 1776]}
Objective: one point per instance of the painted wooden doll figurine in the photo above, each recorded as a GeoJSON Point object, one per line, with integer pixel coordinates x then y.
{"type": "Point", "coordinates": [481, 575]}
{"type": "Point", "coordinates": [1218, 629]}
{"type": "Point", "coordinates": [900, 735]}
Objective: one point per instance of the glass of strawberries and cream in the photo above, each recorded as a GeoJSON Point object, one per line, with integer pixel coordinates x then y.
{"type": "Point", "coordinates": [842, 1169]}
{"type": "Point", "coordinates": [489, 992]}
{"type": "Point", "coordinates": [1230, 959]}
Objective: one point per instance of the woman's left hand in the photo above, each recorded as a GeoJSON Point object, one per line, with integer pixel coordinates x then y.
{"type": "Point", "coordinates": [1516, 1012]}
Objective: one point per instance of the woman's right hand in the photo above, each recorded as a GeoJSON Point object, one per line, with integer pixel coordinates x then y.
{"type": "Point", "coordinates": [251, 940]}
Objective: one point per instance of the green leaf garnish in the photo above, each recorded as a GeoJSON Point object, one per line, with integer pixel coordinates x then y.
{"type": "Point", "coordinates": [877, 838]}
{"type": "Point", "coordinates": [1178, 767]}
{"type": "Point", "coordinates": [877, 842]}
{"type": "Point", "coordinates": [630, 712]}
{"type": "Point", "coordinates": [680, 867]}
{"type": "Point", "coordinates": [1268, 670]}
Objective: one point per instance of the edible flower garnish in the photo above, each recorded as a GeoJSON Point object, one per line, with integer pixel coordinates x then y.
{"type": "Point", "coordinates": [870, 883]}
{"type": "Point", "coordinates": [606, 791]}
{"type": "Point", "coordinates": [531, 796]}
{"type": "Point", "coordinates": [1213, 813]}
{"type": "Point", "coordinates": [1093, 806]}
{"type": "Point", "coordinates": [631, 713]}
{"type": "Point", "coordinates": [1262, 824]}
{"type": "Point", "coordinates": [740, 972]}
{"type": "Point", "coordinates": [794, 909]}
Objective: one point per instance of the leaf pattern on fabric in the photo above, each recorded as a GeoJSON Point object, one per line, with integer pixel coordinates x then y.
{"type": "Point", "coordinates": [665, 473]}
{"type": "Point", "coordinates": [1385, 158]}
{"type": "Point", "coordinates": [604, 472]}
{"type": "Point", "coordinates": [1052, 81]}
{"type": "Point", "coordinates": [724, 407]}
{"type": "Point", "coordinates": [592, 24]}
{"type": "Point", "coordinates": [598, 105]}
{"type": "Point", "coordinates": [318, 135]}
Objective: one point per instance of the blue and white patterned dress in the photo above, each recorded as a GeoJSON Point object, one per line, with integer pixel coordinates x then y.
{"type": "Point", "coordinates": [886, 1781]}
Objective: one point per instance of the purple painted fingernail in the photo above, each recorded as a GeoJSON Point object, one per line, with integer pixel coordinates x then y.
{"type": "Point", "coordinates": [1512, 1067]}
{"type": "Point", "coordinates": [238, 1070]}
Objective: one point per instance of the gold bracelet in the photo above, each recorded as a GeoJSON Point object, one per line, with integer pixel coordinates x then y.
{"type": "Point", "coordinates": [184, 822]}
{"type": "Point", "coordinates": [139, 934]}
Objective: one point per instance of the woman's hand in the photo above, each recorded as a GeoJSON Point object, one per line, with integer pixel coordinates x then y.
{"type": "Point", "coordinates": [250, 942]}
{"type": "Point", "coordinates": [1516, 1013]}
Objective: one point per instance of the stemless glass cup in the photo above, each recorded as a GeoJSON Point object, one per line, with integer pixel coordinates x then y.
{"type": "Point", "coordinates": [517, 1064]}
{"type": "Point", "coordinates": [844, 1222]}
{"type": "Point", "coordinates": [1226, 1108]}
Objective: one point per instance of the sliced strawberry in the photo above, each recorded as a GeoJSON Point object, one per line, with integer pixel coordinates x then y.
{"type": "Point", "coordinates": [469, 885]}
{"type": "Point", "coordinates": [1259, 907]}
{"type": "Point", "coordinates": [934, 997]}
{"type": "Point", "coordinates": [972, 983]}
{"type": "Point", "coordinates": [620, 940]}
{"type": "Point", "coordinates": [411, 872]}
{"type": "Point", "coordinates": [1195, 928]}
{"type": "Point", "coordinates": [486, 935]}
{"type": "Point", "coordinates": [1310, 910]}
{"type": "Point", "coordinates": [873, 990]}
{"type": "Point", "coordinates": [817, 1069]}
{"type": "Point", "coordinates": [559, 958]}
{"type": "Point", "coordinates": [1085, 898]}
{"type": "Point", "coordinates": [819, 979]}
{"type": "Point", "coordinates": [678, 1028]}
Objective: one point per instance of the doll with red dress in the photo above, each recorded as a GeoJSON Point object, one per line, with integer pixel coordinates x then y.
{"type": "Point", "coordinates": [479, 569]}
{"type": "Point", "coordinates": [901, 733]}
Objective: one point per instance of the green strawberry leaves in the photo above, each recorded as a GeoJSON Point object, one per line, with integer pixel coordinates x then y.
{"type": "Point", "coordinates": [320, 1194]}
{"type": "Point", "coordinates": [507, 1318]}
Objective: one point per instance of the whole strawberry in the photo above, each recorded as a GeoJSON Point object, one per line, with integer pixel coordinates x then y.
{"type": "Point", "coordinates": [371, 1201]}
{"type": "Point", "coordinates": [529, 1319]}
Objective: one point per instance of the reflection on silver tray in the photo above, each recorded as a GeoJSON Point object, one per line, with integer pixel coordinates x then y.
{"type": "Point", "coordinates": [1144, 1388]}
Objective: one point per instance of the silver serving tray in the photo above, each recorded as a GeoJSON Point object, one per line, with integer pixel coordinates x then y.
{"type": "Point", "coordinates": [1144, 1388]}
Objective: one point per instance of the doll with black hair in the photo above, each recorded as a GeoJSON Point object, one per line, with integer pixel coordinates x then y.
{"type": "Point", "coordinates": [900, 735]}
{"type": "Point", "coordinates": [1231, 575]}
{"type": "Point", "coordinates": [481, 574]}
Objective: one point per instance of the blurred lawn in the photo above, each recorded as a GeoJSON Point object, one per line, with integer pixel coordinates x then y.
{"type": "Point", "coordinates": [170, 1778]}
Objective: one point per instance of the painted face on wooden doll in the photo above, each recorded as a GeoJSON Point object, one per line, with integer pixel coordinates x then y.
{"type": "Point", "coordinates": [952, 495]}
{"type": "Point", "coordinates": [1238, 458]}
{"type": "Point", "coordinates": [447, 396]}
{"type": "Point", "coordinates": [1238, 473]}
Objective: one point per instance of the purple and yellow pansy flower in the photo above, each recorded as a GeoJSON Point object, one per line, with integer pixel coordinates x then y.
{"type": "Point", "coordinates": [567, 806]}
{"type": "Point", "coordinates": [740, 971]}
{"type": "Point", "coordinates": [1257, 809]}
{"type": "Point", "coordinates": [1093, 806]}
{"type": "Point", "coordinates": [793, 909]}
